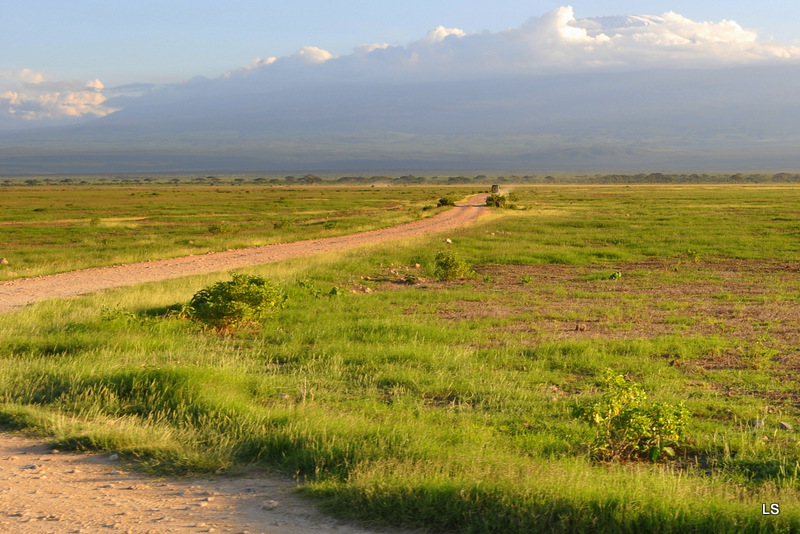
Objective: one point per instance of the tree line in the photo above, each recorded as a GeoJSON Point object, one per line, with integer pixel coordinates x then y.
{"type": "Point", "coordinates": [410, 179]}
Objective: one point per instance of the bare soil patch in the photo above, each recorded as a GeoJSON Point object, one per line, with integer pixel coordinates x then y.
{"type": "Point", "coordinates": [754, 302]}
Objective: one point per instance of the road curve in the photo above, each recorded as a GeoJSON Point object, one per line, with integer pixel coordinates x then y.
{"type": "Point", "coordinates": [20, 292]}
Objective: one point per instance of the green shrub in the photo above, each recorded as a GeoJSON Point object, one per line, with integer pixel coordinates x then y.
{"type": "Point", "coordinates": [309, 286]}
{"type": "Point", "coordinates": [280, 224]}
{"type": "Point", "coordinates": [221, 228]}
{"type": "Point", "coordinates": [244, 300]}
{"type": "Point", "coordinates": [630, 427]}
{"type": "Point", "coordinates": [411, 278]}
{"type": "Point", "coordinates": [694, 255]}
{"type": "Point", "coordinates": [496, 200]}
{"type": "Point", "coordinates": [450, 267]}
{"type": "Point", "coordinates": [446, 201]}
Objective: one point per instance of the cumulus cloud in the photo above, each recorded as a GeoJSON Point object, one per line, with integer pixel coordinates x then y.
{"type": "Point", "coordinates": [554, 42]}
{"type": "Point", "coordinates": [308, 55]}
{"type": "Point", "coordinates": [311, 55]}
{"type": "Point", "coordinates": [28, 95]}
{"type": "Point", "coordinates": [30, 76]}
{"type": "Point", "coordinates": [363, 49]}
{"type": "Point", "coordinates": [559, 42]}
{"type": "Point", "coordinates": [440, 33]}
{"type": "Point", "coordinates": [256, 64]}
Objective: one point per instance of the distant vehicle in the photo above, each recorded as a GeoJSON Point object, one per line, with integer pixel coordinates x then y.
{"type": "Point", "coordinates": [495, 189]}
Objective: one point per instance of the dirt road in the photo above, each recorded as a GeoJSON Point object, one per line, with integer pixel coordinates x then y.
{"type": "Point", "coordinates": [45, 491]}
{"type": "Point", "coordinates": [17, 293]}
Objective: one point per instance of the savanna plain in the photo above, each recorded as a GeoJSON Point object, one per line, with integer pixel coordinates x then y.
{"type": "Point", "coordinates": [599, 359]}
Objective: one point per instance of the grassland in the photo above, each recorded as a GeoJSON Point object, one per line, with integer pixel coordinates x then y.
{"type": "Point", "coordinates": [49, 229]}
{"type": "Point", "coordinates": [451, 406]}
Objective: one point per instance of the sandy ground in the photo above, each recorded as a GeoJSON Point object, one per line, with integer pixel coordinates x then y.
{"type": "Point", "coordinates": [17, 293]}
{"type": "Point", "coordinates": [45, 491]}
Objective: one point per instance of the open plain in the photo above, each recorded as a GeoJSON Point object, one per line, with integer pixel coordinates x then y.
{"type": "Point", "coordinates": [399, 395]}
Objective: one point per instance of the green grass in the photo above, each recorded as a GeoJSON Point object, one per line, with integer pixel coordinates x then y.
{"type": "Point", "coordinates": [451, 405]}
{"type": "Point", "coordinates": [44, 230]}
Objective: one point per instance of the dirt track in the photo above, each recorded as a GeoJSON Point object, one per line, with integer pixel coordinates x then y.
{"type": "Point", "coordinates": [17, 293]}
{"type": "Point", "coordinates": [42, 491]}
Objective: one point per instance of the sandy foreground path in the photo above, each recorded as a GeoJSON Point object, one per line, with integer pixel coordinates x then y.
{"type": "Point", "coordinates": [17, 293]}
{"type": "Point", "coordinates": [46, 491]}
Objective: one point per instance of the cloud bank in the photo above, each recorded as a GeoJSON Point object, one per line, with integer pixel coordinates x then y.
{"type": "Point", "coordinates": [556, 42]}
{"type": "Point", "coordinates": [29, 95]}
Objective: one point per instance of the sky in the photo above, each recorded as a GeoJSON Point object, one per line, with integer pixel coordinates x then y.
{"type": "Point", "coordinates": [65, 58]}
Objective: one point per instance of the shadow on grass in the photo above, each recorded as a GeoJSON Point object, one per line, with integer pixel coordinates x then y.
{"type": "Point", "coordinates": [162, 311]}
{"type": "Point", "coordinates": [452, 507]}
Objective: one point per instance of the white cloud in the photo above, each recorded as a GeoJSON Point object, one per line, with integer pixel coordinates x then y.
{"type": "Point", "coordinates": [308, 55]}
{"type": "Point", "coordinates": [30, 76]}
{"type": "Point", "coordinates": [95, 84]}
{"type": "Point", "coordinates": [30, 96]}
{"type": "Point", "coordinates": [554, 42]}
{"type": "Point", "coordinates": [364, 49]}
{"type": "Point", "coordinates": [641, 41]}
{"type": "Point", "coordinates": [311, 55]}
{"type": "Point", "coordinates": [440, 33]}
{"type": "Point", "coordinates": [256, 64]}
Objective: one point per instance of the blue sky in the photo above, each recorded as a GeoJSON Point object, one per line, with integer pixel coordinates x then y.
{"type": "Point", "coordinates": [126, 41]}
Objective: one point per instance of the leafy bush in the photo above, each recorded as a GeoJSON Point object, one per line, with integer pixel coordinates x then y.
{"type": "Point", "coordinates": [227, 305]}
{"type": "Point", "coordinates": [280, 224]}
{"type": "Point", "coordinates": [496, 200]}
{"type": "Point", "coordinates": [309, 286]}
{"type": "Point", "coordinates": [450, 267]}
{"type": "Point", "coordinates": [411, 278]}
{"type": "Point", "coordinates": [446, 201]}
{"type": "Point", "coordinates": [221, 228]}
{"type": "Point", "coordinates": [630, 427]}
